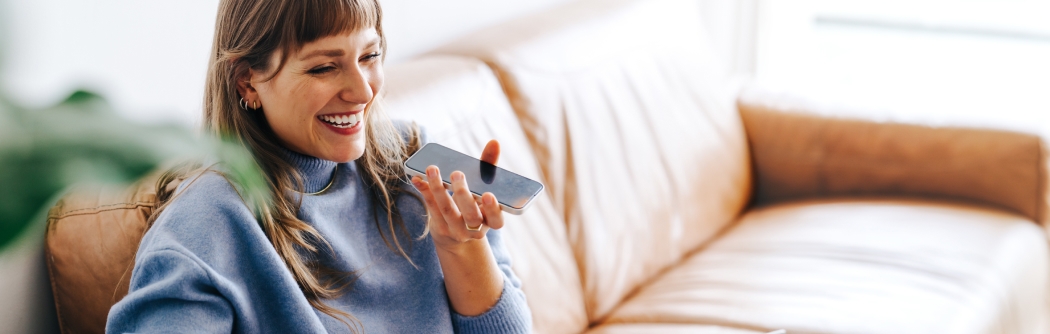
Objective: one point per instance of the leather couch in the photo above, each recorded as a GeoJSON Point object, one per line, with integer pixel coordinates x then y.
{"type": "Point", "coordinates": [677, 204]}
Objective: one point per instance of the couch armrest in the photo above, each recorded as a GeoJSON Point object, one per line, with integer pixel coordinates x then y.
{"type": "Point", "coordinates": [797, 154]}
{"type": "Point", "coordinates": [93, 233]}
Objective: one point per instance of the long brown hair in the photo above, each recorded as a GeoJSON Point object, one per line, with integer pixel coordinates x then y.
{"type": "Point", "coordinates": [247, 33]}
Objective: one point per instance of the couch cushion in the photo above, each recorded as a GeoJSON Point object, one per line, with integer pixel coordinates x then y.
{"type": "Point", "coordinates": [669, 329]}
{"type": "Point", "coordinates": [640, 145]}
{"type": "Point", "coordinates": [459, 102]}
{"type": "Point", "coordinates": [878, 266]}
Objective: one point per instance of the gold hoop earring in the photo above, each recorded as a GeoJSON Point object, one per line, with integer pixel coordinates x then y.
{"type": "Point", "coordinates": [253, 106]}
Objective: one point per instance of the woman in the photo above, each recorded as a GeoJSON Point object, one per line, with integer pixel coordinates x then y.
{"type": "Point", "coordinates": [345, 243]}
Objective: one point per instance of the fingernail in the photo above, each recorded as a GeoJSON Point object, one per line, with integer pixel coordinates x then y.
{"type": "Point", "coordinates": [431, 172]}
{"type": "Point", "coordinates": [457, 176]}
{"type": "Point", "coordinates": [487, 199]}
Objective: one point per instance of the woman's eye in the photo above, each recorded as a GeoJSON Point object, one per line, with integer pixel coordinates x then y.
{"type": "Point", "coordinates": [321, 69]}
{"type": "Point", "coordinates": [370, 56]}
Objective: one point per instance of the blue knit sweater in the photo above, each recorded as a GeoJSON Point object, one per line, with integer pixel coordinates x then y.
{"type": "Point", "coordinates": [206, 266]}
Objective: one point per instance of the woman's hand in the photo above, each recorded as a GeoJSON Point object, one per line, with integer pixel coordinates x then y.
{"type": "Point", "coordinates": [458, 224]}
{"type": "Point", "coordinates": [458, 219]}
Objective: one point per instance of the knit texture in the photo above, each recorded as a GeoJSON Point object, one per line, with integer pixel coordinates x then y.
{"type": "Point", "coordinates": [206, 266]}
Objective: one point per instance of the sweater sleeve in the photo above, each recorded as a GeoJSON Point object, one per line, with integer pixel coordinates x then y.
{"type": "Point", "coordinates": [171, 293]}
{"type": "Point", "coordinates": [511, 313]}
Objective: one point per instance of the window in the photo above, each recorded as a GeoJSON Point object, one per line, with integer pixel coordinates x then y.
{"type": "Point", "coordinates": [962, 62]}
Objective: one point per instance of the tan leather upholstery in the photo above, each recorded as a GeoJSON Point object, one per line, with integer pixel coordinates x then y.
{"type": "Point", "coordinates": [668, 329]}
{"type": "Point", "coordinates": [798, 154]}
{"type": "Point", "coordinates": [642, 150]}
{"type": "Point", "coordinates": [1043, 211]}
{"type": "Point", "coordinates": [459, 102]}
{"type": "Point", "coordinates": [92, 236]}
{"type": "Point", "coordinates": [861, 266]}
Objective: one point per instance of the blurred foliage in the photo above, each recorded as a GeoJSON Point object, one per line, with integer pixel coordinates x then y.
{"type": "Point", "coordinates": [43, 152]}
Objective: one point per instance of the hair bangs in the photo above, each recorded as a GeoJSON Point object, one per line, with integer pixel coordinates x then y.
{"type": "Point", "coordinates": [311, 20]}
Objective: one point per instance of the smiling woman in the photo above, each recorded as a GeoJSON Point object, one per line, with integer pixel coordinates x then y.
{"type": "Point", "coordinates": [296, 83]}
{"type": "Point", "coordinates": [313, 106]}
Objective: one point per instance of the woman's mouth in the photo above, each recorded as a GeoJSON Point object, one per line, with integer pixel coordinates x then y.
{"type": "Point", "coordinates": [345, 123]}
{"type": "Point", "coordinates": [342, 121]}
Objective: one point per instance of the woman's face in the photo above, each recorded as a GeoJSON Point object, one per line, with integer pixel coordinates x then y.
{"type": "Point", "coordinates": [316, 103]}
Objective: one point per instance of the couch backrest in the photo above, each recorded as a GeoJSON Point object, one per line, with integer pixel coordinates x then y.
{"type": "Point", "coordinates": [460, 104]}
{"type": "Point", "coordinates": [638, 139]}
{"type": "Point", "coordinates": [799, 152]}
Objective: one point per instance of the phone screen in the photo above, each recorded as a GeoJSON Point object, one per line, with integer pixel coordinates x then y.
{"type": "Point", "coordinates": [511, 189]}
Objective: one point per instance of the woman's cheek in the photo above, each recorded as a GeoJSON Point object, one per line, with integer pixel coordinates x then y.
{"type": "Point", "coordinates": [321, 95]}
{"type": "Point", "coordinates": [377, 79]}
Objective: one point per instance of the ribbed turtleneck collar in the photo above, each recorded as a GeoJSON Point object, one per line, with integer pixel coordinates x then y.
{"type": "Point", "coordinates": [316, 172]}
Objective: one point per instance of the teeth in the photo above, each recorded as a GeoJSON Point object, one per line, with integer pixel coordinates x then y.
{"type": "Point", "coordinates": [343, 121]}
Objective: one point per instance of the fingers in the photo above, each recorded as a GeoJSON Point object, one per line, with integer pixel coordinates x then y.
{"type": "Point", "coordinates": [432, 207]}
{"type": "Point", "coordinates": [491, 152]}
{"type": "Point", "coordinates": [445, 207]}
{"type": "Point", "coordinates": [452, 214]}
{"type": "Point", "coordinates": [468, 208]}
{"type": "Point", "coordinates": [490, 208]}
{"type": "Point", "coordinates": [457, 211]}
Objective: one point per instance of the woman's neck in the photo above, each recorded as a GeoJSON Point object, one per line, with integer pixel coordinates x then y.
{"type": "Point", "coordinates": [316, 172]}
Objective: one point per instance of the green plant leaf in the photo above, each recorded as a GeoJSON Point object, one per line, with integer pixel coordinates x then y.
{"type": "Point", "coordinates": [42, 152]}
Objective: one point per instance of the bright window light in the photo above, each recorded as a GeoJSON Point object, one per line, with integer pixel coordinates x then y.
{"type": "Point", "coordinates": [964, 62]}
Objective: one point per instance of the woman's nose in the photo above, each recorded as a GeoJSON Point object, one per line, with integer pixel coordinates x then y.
{"type": "Point", "coordinates": [356, 89]}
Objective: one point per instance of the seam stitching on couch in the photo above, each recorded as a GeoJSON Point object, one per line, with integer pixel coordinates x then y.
{"type": "Point", "coordinates": [103, 208]}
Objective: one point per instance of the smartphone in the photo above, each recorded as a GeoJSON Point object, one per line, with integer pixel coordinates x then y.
{"type": "Point", "coordinates": [514, 192]}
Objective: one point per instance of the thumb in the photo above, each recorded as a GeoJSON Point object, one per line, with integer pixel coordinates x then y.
{"type": "Point", "coordinates": [491, 152]}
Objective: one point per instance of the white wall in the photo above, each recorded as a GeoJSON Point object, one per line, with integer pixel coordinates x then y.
{"type": "Point", "coordinates": [733, 29]}
{"type": "Point", "coordinates": [149, 57]}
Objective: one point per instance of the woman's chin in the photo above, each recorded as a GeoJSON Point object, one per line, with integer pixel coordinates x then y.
{"type": "Point", "coordinates": [346, 153]}
{"type": "Point", "coordinates": [343, 148]}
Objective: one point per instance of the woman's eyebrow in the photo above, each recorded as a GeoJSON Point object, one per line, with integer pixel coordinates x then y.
{"type": "Point", "coordinates": [372, 43]}
{"type": "Point", "coordinates": [328, 53]}
{"type": "Point", "coordinates": [334, 52]}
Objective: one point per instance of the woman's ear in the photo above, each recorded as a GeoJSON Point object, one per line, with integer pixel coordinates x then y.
{"type": "Point", "coordinates": [246, 89]}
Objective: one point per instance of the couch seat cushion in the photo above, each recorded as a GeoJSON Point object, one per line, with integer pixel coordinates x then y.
{"type": "Point", "coordinates": [669, 329]}
{"type": "Point", "coordinates": [860, 266]}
